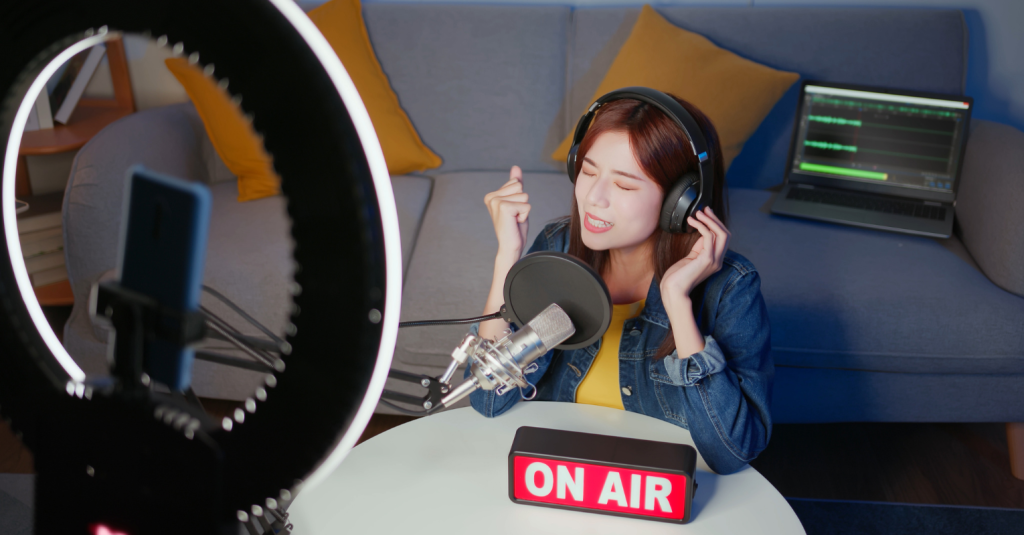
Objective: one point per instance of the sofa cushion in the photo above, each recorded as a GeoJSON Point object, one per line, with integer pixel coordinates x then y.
{"type": "Point", "coordinates": [988, 202]}
{"type": "Point", "coordinates": [481, 83]}
{"type": "Point", "coordinates": [828, 44]}
{"type": "Point", "coordinates": [843, 297]}
{"type": "Point", "coordinates": [735, 93]}
{"type": "Point", "coordinates": [238, 145]}
{"type": "Point", "coordinates": [341, 23]}
{"type": "Point", "coordinates": [411, 196]}
{"type": "Point", "coordinates": [450, 272]}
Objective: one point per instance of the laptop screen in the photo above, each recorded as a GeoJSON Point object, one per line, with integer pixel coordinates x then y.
{"type": "Point", "coordinates": [880, 138]}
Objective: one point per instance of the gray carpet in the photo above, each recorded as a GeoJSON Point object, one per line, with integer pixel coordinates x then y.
{"type": "Point", "coordinates": [16, 504]}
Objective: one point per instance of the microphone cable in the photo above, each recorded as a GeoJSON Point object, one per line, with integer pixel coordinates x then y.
{"type": "Point", "coordinates": [238, 310]}
{"type": "Point", "coordinates": [465, 321]}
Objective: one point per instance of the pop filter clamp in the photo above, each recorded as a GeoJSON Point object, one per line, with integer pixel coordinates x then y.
{"type": "Point", "coordinates": [538, 280]}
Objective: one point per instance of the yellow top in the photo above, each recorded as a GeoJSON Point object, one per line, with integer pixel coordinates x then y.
{"type": "Point", "coordinates": [601, 385]}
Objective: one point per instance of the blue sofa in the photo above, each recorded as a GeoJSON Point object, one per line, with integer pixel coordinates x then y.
{"type": "Point", "coordinates": [866, 325]}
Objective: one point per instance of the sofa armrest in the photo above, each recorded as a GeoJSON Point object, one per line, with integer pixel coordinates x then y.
{"type": "Point", "coordinates": [169, 140]}
{"type": "Point", "coordinates": [990, 203]}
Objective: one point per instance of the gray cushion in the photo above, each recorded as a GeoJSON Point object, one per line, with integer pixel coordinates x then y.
{"type": "Point", "coordinates": [990, 202]}
{"type": "Point", "coordinates": [848, 298]}
{"type": "Point", "coordinates": [411, 196]}
{"type": "Point", "coordinates": [482, 84]}
{"type": "Point", "coordinates": [919, 49]}
{"type": "Point", "coordinates": [451, 269]}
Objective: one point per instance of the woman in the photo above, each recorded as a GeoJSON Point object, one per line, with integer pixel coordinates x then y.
{"type": "Point", "coordinates": [696, 346]}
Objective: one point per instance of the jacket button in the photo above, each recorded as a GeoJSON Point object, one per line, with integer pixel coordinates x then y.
{"type": "Point", "coordinates": [627, 391]}
{"type": "Point", "coordinates": [634, 332]}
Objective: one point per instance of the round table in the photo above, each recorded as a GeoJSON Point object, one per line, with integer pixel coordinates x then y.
{"type": "Point", "coordinates": [448, 473]}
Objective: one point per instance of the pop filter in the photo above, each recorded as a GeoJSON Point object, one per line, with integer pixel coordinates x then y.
{"type": "Point", "coordinates": [547, 277]}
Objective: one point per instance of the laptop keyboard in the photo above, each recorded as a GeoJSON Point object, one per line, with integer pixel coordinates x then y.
{"type": "Point", "coordinates": [865, 202]}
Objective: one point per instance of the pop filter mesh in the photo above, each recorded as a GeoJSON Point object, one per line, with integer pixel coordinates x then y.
{"type": "Point", "coordinates": [547, 277]}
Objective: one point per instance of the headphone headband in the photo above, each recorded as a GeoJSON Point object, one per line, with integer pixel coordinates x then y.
{"type": "Point", "coordinates": [675, 111]}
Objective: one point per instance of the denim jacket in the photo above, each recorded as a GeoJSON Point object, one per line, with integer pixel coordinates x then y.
{"type": "Point", "coordinates": [721, 394]}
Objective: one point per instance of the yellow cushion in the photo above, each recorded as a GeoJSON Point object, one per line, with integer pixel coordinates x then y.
{"type": "Point", "coordinates": [735, 93]}
{"type": "Point", "coordinates": [341, 22]}
{"type": "Point", "coordinates": [232, 135]}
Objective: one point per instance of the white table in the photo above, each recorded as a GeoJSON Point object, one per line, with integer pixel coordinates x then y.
{"type": "Point", "coordinates": [448, 473]}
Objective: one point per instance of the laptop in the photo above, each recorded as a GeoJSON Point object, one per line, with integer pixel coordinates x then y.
{"type": "Point", "coordinates": [876, 158]}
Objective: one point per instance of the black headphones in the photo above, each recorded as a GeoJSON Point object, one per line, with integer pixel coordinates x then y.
{"type": "Point", "coordinates": [690, 192]}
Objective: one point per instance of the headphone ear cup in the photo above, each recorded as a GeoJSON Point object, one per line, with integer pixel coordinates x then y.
{"type": "Point", "coordinates": [570, 163]}
{"type": "Point", "coordinates": [679, 204]}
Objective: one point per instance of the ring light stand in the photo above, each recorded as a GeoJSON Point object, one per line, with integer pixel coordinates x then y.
{"type": "Point", "coordinates": [110, 460]}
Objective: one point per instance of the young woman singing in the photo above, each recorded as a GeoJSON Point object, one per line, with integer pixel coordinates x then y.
{"type": "Point", "coordinates": [689, 338]}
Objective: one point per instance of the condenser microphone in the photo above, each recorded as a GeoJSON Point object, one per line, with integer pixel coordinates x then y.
{"type": "Point", "coordinates": [502, 365]}
{"type": "Point", "coordinates": [568, 307]}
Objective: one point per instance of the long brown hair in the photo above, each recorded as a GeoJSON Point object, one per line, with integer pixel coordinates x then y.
{"type": "Point", "coordinates": [658, 146]}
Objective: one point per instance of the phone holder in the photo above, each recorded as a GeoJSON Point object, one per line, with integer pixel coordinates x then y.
{"type": "Point", "coordinates": [137, 319]}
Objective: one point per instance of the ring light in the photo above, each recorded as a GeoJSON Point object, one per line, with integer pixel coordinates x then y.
{"type": "Point", "coordinates": [347, 256]}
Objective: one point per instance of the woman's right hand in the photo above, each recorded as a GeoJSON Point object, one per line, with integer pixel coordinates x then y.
{"type": "Point", "coordinates": [510, 211]}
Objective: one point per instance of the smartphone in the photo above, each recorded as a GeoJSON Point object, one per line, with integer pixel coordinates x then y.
{"type": "Point", "coordinates": [162, 254]}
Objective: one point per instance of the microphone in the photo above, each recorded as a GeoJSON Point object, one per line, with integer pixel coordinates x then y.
{"type": "Point", "coordinates": [502, 365]}
{"type": "Point", "coordinates": [570, 308]}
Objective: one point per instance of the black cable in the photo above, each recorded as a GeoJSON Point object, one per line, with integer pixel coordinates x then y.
{"type": "Point", "coordinates": [266, 357]}
{"type": "Point", "coordinates": [409, 412]}
{"type": "Point", "coordinates": [235, 362]}
{"type": "Point", "coordinates": [426, 323]}
{"type": "Point", "coordinates": [242, 313]}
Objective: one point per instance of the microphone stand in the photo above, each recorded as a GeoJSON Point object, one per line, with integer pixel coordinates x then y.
{"type": "Point", "coordinates": [137, 318]}
{"type": "Point", "coordinates": [437, 387]}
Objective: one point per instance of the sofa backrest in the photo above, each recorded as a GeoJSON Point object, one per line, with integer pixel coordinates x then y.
{"type": "Point", "coordinates": [481, 83]}
{"type": "Point", "coordinates": [488, 86]}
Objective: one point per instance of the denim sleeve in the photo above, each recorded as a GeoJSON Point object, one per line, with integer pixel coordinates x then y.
{"type": "Point", "coordinates": [728, 383]}
{"type": "Point", "coordinates": [686, 372]}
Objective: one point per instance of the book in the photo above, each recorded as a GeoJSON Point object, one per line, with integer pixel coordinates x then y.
{"type": "Point", "coordinates": [39, 222]}
{"type": "Point", "coordinates": [44, 211]}
{"type": "Point", "coordinates": [49, 276]}
{"type": "Point", "coordinates": [66, 101]}
{"type": "Point", "coordinates": [45, 245]}
{"type": "Point", "coordinates": [39, 235]}
{"type": "Point", "coordinates": [43, 262]}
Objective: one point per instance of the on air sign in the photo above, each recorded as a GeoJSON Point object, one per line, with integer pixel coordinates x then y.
{"type": "Point", "coordinates": [602, 474]}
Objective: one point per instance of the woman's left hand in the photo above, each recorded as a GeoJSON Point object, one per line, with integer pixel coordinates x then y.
{"type": "Point", "coordinates": [705, 257]}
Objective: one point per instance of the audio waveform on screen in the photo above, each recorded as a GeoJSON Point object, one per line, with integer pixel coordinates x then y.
{"type": "Point", "coordinates": [833, 120]}
{"type": "Point", "coordinates": [909, 129]}
{"type": "Point", "coordinates": [830, 146]}
{"type": "Point", "coordinates": [886, 107]}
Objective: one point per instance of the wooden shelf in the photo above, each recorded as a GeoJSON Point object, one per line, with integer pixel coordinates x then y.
{"type": "Point", "coordinates": [56, 294]}
{"type": "Point", "coordinates": [85, 123]}
{"type": "Point", "coordinates": [90, 116]}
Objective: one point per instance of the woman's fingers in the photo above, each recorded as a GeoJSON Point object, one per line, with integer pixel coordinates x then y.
{"type": "Point", "coordinates": [721, 234]}
{"type": "Point", "coordinates": [515, 174]}
{"type": "Point", "coordinates": [709, 254]}
{"type": "Point", "coordinates": [709, 236]}
{"type": "Point", "coordinates": [711, 213]}
{"type": "Point", "coordinates": [494, 197]}
{"type": "Point", "coordinates": [521, 210]}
